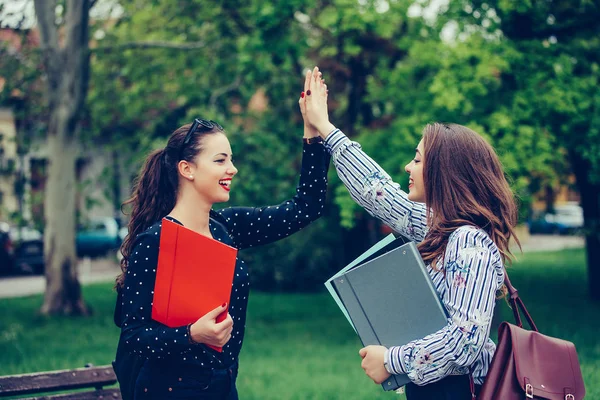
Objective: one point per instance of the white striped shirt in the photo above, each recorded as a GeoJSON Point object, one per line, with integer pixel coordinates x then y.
{"type": "Point", "coordinates": [467, 282]}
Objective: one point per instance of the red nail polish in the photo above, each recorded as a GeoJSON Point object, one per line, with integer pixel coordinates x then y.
{"type": "Point", "coordinates": [308, 92]}
{"type": "Point", "coordinates": [302, 94]}
{"type": "Point", "coordinates": [223, 305]}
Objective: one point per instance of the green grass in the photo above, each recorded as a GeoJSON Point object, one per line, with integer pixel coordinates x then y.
{"type": "Point", "coordinates": [299, 346]}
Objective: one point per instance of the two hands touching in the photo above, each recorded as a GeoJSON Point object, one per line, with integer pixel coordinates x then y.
{"type": "Point", "coordinates": [313, 106]}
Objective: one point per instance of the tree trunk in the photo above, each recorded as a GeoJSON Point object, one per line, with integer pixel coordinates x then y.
{"type": "Point", "coordinates": [592, 243]}
{"type": "Point", "coordinates": [67, 69]}
{"type": "Point", "coordinates": [63, 292]}
{"type": "Point", "coordinates": [591, 213]}
{"type": "Point", "coordinates": [550, 197]}
{"type": "Point", "coordinates": [590, 202]}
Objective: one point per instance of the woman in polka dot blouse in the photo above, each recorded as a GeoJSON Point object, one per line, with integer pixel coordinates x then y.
{"type": "Point", "coordinates": [182, 182]}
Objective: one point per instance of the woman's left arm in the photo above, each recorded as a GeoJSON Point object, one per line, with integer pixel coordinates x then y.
{"type": "Point", "coordinates": [473, 273]}
{"type": "Point", "coordinates": [252, 226]}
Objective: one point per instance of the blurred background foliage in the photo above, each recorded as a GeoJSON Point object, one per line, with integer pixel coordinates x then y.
{"type": "Point", "coordinates": [524, 74]}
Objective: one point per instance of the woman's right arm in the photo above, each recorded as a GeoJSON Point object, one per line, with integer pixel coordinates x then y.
{"type": "Point", "coordinates": [372, 188]}
{"type": "Point", "coordinates": [369, 185]}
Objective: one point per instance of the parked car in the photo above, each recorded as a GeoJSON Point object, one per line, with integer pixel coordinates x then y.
{"type": "Point", "coordinates": [97, 237]}
{"type": "Point", "coordinates": [566, 219]}
{"type": "Point", "coordinates": [29, 249]}
{"type": "Point", "coordinates": [6, 250]}
{"type": "Point", "coordinates": [22, 249]}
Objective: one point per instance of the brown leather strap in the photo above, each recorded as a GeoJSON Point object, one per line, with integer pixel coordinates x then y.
{"type": "Point", "coordinates": [512, 291]}
{"type": "Point", "coordinates": [516, 303]}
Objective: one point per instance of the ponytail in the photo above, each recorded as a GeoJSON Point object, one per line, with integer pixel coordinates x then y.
{"type": "Point", "coordinates": [154, 196]}
{"type": "Point", "coordinates": [155, 191]}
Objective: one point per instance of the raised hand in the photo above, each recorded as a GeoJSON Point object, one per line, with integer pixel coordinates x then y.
{"type": "Point", "coordinates": [316, 103]}
{"type": "Point", "coordinates": [309, 130]}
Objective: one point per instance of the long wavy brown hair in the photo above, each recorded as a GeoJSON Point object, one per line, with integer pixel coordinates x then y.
{"type": "Point", "coordinates": [464, 185]}
{"type": "Point", "coordinates": [155, 189]}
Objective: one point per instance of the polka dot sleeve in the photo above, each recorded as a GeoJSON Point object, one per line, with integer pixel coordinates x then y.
{"type": "Point", "coordinates": [260, 225]}
{"type": "Point", "coordinates": [141, 334]}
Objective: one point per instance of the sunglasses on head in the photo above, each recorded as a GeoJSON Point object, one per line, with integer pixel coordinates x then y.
{"type": "Point", "coordinates": [198, 125]}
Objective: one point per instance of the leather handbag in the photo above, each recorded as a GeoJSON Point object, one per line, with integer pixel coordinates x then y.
{"type": "Point", "coordinates": [529, 365]}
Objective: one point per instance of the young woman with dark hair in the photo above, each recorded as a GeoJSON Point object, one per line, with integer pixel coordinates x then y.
{"type": "Point", "coordinates": [461, 210]}
{"type": "Point", "coordinates": [181, 183]}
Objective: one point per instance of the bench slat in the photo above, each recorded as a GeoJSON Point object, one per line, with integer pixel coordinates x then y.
{"type": "Point", "coordinates": [57, 380]}
{"type": "Point", "coordinates": [104, 394]}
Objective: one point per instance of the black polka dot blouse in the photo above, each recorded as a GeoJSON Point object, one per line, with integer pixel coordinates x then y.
{"type": "Point", "coordinates": [240, 227]}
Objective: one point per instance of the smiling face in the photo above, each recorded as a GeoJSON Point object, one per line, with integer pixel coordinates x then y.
{"type": "Point", "coordinates": [416, 185]}
{"type": "Point", "coordinates": [213, 169]}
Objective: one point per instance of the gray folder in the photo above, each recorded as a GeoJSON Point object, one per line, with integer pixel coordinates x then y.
{"type": "Point", "coordinates": [391, 300]}
{"type": "Point", "coordinates": [369, 253]}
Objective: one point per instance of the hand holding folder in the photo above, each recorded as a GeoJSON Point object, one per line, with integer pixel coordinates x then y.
{"type": "Point", "coordinates": [193, 277]}
{"type": "Point", "coordinates": [388, 297]}
{"type": "Point", "coordinates": [213, 328]}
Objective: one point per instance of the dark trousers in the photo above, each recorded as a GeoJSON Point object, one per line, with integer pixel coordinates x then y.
{"type": "Point", "coordinates": [169, 382]}
{"type": "Point", "coordinates": [454, 387]}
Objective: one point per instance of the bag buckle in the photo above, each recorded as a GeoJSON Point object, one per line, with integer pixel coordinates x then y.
{"type": "Point", "coordinates": [529, 391]}
{"type": "Point", "coordinates": [569, 397]}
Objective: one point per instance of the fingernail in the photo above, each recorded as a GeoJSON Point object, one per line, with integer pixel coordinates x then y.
{"type": "Point", "coordinates": [308, 92]}
{"type": "Point", "coordinates": [302, 94]}
{"type": "Point", "coordinates": [223, 305]}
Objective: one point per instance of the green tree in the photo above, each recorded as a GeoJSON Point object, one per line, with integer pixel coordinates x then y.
{"type": "Point", "coordinates": [523, 74]}
{"type": "Point", "coordinates": [503, 68]}
{"type": "Point", "coordinates": [552, 89]}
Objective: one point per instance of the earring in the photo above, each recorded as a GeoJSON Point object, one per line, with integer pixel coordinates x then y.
{"type": "Point", "coordinates": [191, 176]}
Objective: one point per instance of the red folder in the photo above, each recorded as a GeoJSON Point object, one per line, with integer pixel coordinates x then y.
{"type": "Point", "coordinates": [194, 276]}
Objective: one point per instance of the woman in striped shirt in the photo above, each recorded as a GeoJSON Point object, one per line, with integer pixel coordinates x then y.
{"type": "Point", "coordinates": [461, 211]}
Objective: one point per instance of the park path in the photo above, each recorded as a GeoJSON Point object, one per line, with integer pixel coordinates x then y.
{"type": "Point", "coordinates": [552, 242]}
{"type": "Point", "coordinates": [90, 271]}
{"type": "Point", "coordinates": [106, 269]}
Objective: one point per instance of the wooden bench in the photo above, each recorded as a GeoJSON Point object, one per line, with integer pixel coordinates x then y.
{"type": "Point", "coordinates": [92, 378]}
